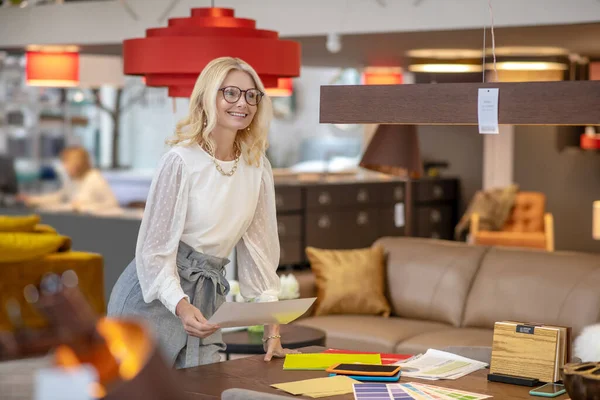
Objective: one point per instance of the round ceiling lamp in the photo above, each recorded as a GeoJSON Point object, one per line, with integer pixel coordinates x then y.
{"type": "Point", "coordinates": [523, 58]}
{"type": "Point", "coordinates": [528, 64]}
{"type": "Point", "coordinates": [174, 56]}
{"type": "Point", "coordinates": [445, 61]}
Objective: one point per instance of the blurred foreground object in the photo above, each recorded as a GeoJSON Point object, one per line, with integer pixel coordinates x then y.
{"type": "Point", "coordinates": [30, 249]}
{"type": "Point", "coordinates": [582, 380]}
{"type": "Point", "coordinates": [122, 355]}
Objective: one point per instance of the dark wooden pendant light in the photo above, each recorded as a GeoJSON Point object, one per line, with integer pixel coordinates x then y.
{"type": "Point", "coordinates": [519, 103]}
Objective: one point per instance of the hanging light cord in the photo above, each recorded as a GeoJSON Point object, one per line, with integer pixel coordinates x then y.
{"type": "Point", "coordinates": [493, 42]}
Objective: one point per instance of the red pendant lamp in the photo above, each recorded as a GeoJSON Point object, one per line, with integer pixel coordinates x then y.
{"type": "Point", "coordinates": [174, 56]}
{"type": "Point", "coordinates": [285, 88]}
{"type": "Point", "coordinates": [52, 69]}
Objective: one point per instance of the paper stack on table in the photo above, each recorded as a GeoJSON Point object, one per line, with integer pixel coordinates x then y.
{"type": "Point", "coordinates": [437, 364]}
{"type": "Point", "coordinates": [412, 390]}
{"type": "Point", "coordinates": [319, 387]}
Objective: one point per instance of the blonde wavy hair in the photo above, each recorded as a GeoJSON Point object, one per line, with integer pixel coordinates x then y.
{"type": "Point", "coordinates": [252, 141]}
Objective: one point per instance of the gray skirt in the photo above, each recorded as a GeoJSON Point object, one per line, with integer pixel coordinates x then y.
{"type": "Point", "coordinates": [203, 279]}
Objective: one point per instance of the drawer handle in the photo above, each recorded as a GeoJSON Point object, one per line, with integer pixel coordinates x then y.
{"type": "Point", "coordinates": [362, 218]}
{"type": "Point", "coordinates": [398, 193]}
{"type": "Point", "coordinates": [436, 216]}
{"type": "Point", "coordinates": [438, 191]}
{"type": "Point", "coordinates": [279, 200]}
{"type": "Point", "coordinates": [435, 235]}
{"type": "Point", "coordinates": [363, 196]}
{"type": "Point", "coordinates": [281, 228]}
{"type": "Point", "coordinates": [324, 222]}
{"type": "Point", "coordinates": [324, 198]}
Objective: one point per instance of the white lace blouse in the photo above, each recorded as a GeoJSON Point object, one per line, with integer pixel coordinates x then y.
{"type": "Point", "coordinates": [191, 201]}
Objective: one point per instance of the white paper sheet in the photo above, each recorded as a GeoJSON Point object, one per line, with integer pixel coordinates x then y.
{"type": "Point", "coordinates": [233, 314]}
{"type": "Point", "coordinates": [437, 364]}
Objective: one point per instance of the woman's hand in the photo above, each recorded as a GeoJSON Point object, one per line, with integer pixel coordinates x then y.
{"type": "Point", "coordinates": [272, 346]}
{"type": "Point", "coordinates": [24, 198]}
{"type": "Point", "coordinates": [193, 321]}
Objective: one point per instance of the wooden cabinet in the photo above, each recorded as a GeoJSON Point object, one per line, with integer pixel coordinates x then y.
{"type": "Point", "coordinates": [288, 199]}
{"type": "Point", "coordinates": [352, 215]}
{"type": "Point", "coordinates": [434, 222]}
{"type": "Point", "coordinates": [432, 208]}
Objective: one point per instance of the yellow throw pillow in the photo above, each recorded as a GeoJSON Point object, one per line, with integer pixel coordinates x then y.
{"type": "Point", "coordinates": [18, 223]}
{"type": "Point", "coordinates": [24, 246]}
{"type": "Point", "coordinates": [349, 281]}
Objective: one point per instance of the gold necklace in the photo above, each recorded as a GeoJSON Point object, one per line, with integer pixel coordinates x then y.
{"type": "Point", "coordinates": [235, 164]}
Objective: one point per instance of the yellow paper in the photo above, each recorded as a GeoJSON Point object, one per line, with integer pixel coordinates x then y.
{"type": "Point", "coordinates": [334, 384]}
{"type": "Point", "coordinates": [326, 394]}
{"type": "Point", "coordinates": [319, 361]}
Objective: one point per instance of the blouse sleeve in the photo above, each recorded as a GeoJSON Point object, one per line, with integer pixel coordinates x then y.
{"type": "Point", "coordinates": [160, 232]}
{"type": "Point", "coordinates": [258, 250]}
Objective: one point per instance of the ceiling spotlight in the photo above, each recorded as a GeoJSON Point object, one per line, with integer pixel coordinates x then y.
{"type": "Point", "coordinates": [334, 43]}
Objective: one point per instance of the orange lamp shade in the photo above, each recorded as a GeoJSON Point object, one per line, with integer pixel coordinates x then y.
{"type": "Point", "coordinates": [382, 76]}
{"type": "Point", "coordinates": [51, 69]}
{"type": "Point", "coordinates": [284, 88]}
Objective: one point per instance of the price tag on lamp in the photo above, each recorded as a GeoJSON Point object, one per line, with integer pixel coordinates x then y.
{"type": "Point", "coordinates": [487, 111]}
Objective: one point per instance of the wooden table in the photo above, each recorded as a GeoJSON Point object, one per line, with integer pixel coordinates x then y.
{"type": "Point", "coordinates": [209, 381]}
{"type": "Point", "coordinates": [292, 337]}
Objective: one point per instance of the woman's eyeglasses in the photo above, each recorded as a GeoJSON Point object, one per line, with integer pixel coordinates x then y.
{"type": "Point", "coordinates": [232, 94]}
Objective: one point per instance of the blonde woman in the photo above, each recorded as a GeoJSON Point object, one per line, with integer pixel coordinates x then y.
{"type": "Point", "coordinates": [85, 191]}
{"type": "Point", "coordinates": [213, 191]}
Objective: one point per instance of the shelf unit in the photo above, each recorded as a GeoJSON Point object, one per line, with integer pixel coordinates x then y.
{"type": "Point", "coordinates": [37, 123]}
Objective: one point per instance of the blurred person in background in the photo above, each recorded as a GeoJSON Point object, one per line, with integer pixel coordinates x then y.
{"type": "Point", "coordinates": [86, 190]}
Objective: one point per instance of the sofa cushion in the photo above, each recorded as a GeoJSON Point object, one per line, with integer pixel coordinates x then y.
{"type": "Point", "coordinates": [368, 333]}
{"type": "Point", "coordinates": [535, 286]}
{"type": "Point", "coordinates": [349, 281]}
{"type": "Point", "coordinates": [445, 338]}
{"type": "Point", "coordinates": [430, 279]}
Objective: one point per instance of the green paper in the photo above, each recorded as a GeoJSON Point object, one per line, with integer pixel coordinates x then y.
{"type": "Point", "coordinates": [320, 362]}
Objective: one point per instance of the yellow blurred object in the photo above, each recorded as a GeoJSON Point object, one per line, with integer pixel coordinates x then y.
{"type": "Point", "coordinates": [26, 246]}
{"type": "Point", "coordinates": [42, 228]}
{"type": "Point", "coordinates": [14, 276]}
{"type": "Point", "coordinates": [28, 251]}
{"type": "Point", "coordinates": [18, 223]}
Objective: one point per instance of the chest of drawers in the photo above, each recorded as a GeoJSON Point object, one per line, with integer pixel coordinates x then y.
{"type": "Point", "coordinates": [349, 215]}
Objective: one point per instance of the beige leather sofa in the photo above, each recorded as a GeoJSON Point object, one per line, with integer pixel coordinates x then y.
{"type": "Point", "coordinates": [446, 293]}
